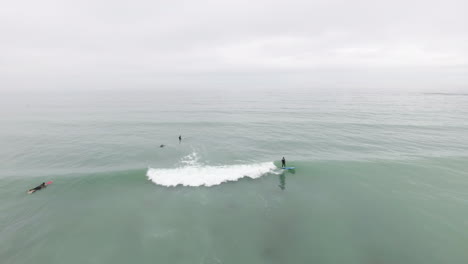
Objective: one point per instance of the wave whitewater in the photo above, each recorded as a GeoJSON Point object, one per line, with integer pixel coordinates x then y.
{"type": "Point", "coordinates": [193, 175]}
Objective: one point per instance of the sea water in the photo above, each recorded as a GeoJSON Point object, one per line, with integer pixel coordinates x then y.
{"type": "Point", "coordinates": [380, 178]}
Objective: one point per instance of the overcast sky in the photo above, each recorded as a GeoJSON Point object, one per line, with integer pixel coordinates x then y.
{"type": "Point", "coordinates": [321, 44]}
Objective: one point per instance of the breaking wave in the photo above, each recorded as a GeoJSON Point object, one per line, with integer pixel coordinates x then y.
{"type": "Point", "coordinates": [193, 174]}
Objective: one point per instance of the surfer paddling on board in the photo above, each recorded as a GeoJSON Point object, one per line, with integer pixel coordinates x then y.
{"type": "Point", "coordinates": [43, 185]}
{"type": "Point", "coordinates": [283, 163]}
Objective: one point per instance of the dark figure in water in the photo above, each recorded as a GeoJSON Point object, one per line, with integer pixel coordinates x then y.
{"type": "Point", "coordinates": [283, 163]}
{"type": "Point", "coordinates": [43, 185]}
{"type": "Point", "coordinates": [162, 146]}
{"type": "Point", "coordinates": [180, 138]}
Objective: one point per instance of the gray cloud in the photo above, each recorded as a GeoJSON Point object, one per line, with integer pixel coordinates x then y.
{"type": "Point", "coordinates": [182, 43]}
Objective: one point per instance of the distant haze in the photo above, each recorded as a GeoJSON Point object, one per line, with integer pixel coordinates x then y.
{"type": "Point", "coordinates": [360, 44]}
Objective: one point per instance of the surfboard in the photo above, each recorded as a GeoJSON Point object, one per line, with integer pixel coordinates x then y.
{"type": "Point", "coordinates": [288, 168]}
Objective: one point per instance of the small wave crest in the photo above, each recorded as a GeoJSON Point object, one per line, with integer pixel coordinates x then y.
{"type": "Point", "coordinates": [197, 175]}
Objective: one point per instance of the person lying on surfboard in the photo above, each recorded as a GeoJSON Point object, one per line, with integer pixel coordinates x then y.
{"type": "Point", "coordinates": [283, 163]}
{"type": "Point", "coordinates": [43, 185]}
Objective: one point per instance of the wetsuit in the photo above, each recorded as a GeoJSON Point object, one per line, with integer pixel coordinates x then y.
{"type": "Point", "coordinates": [283, 163]}
{"type": "Point", "coordinates": [38, 187]}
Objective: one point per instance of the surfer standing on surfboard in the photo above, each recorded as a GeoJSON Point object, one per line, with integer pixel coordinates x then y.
{"type": "Point", "coordinates": [283, 163]}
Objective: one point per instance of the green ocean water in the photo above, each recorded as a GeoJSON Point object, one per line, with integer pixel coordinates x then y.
{"type": "Point", "coordinates": [380, 178]}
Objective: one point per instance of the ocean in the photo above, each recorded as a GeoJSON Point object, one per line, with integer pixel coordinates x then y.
{"type": "Point", "coordinates": [380, 178]}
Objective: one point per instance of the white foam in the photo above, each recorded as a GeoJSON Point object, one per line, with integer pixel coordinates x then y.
{"type": "Point", "coordinates": [190, 160]}
{"type": "Point", "coordinates": [197, 175]}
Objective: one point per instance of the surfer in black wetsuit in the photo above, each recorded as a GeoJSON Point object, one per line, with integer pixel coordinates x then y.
{"type": "Point", "coordinates": [180, 138]}
{"type": "Point", "coordinates": [43, 185]}
{"type": "Point", "coordinates": [283, 163]}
